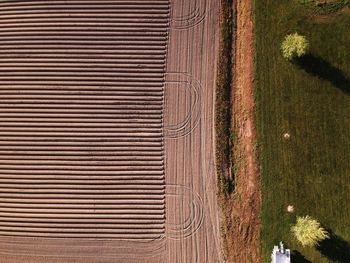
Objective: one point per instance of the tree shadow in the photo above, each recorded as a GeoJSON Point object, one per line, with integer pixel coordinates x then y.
{"type": "Point", "coordinates": [321, 68]}
{"type": "Point", "coordinates": [335, 248]}
{"type": "Point", "coordinates": [297, 257]}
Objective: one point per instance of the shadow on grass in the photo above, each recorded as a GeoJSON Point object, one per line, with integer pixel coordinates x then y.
{"type": "Point", "coordinates": [297, 257]}
{"type": "Point", "coordinates": [335, 248]}
{"type": "Point", "coordinates": [321, 68]}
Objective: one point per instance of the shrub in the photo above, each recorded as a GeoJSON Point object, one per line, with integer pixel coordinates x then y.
{"type": "Point", "coordinates": [309, 231]}
{"type": "Point", "coordinates": [294, 45]}
{"type": "Point", "coordinates": [324, 7]}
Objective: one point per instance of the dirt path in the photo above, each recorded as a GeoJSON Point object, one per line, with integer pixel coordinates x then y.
{"type": "Point", "coordinates": [246, 204]}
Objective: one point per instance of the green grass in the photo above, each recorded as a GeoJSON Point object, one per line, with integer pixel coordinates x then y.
{"type": "Point", "coordinates": [309, 99]}
{"type": "Point", "coordinates": [325, 7]}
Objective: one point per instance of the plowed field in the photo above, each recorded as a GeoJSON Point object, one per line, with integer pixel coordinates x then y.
{"type": "Point", "coordinates": [106, 131]}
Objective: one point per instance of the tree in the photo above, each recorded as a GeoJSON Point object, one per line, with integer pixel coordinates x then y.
{"type": "Point", "coordinates": [308, 231]}
{"type": "Point", "coordinates": [294, 46]}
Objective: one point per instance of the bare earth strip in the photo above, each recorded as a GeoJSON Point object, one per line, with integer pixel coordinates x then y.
{"type": "Point", "coordinates": [243, 237]}
{"type": "Point", "coordinates": [192, 224]}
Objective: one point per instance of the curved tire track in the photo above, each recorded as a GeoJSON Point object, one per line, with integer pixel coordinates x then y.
{"type": "Point", "coordinates": [181, 229]}
{"type": "Point", "coordinates": [192, 118]}
{"type": "Point", "coordinates": [194, 17]}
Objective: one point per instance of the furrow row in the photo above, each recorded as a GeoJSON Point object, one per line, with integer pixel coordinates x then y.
{"type": "Point", "coordinates": [81, 118]}
{"type": "Point", "coordinates": [121, 235]}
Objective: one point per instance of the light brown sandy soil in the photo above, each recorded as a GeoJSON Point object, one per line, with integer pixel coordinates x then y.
{"type": "Point", "coordinates": [243, 236]}
{"type": "Point", "coordinates": [192, 224]}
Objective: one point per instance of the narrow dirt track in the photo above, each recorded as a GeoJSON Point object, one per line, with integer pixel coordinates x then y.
{"type": "Point", "coordinates": [244, 224]}
{"type": "Point", "coordinates": [88, 90]}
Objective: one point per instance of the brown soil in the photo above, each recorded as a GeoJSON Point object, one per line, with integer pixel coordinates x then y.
{"type": "Point", "coordinates": [81, 137]}
{"type": "Point", "coordinates": [242, 210]}
{"type": "Point", "coordinates": [192, 213]}
{"type": "Point", "coordinates": [110, 124]}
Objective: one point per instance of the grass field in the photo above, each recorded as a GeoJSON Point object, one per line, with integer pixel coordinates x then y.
{"type": "Point", "coordinates": [311, 101]}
